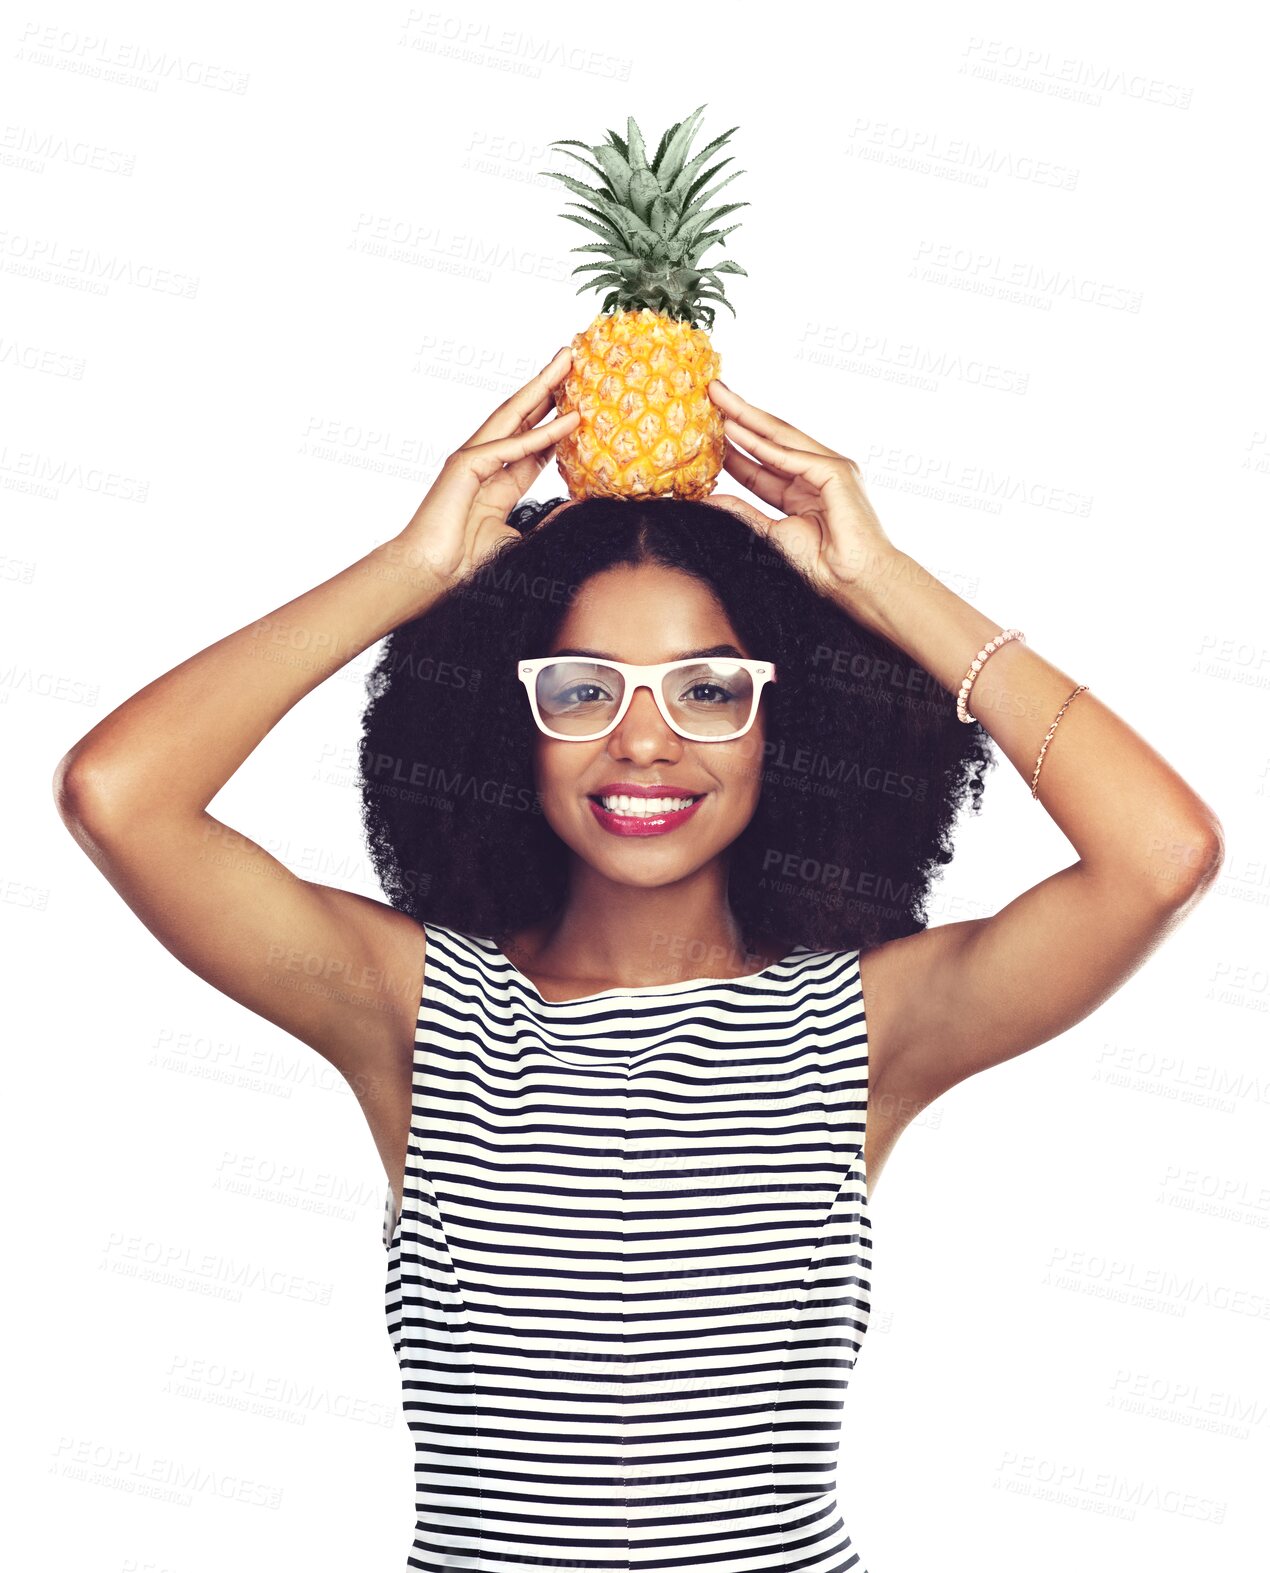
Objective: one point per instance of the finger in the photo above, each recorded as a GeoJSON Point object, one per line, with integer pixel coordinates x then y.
{"type": "Point", "coordinates": [527, 405]}
{"type": "Point", "coordinates": [513, 412]}
{"type": "Point", "coordinates": [467, 469]}
{"type": "Point", "coordinates": [740, 438]}
{"type": "Point", "coordinates": [766, 485]}
{"type": "Point", "coordinates": [742, 509]}
{"type": "Point", "coordinates": [537, 413]}
{"type": "Point", "coordinates": [524, 472]}
{"type": "Point", "coordinates": [487, 458]}
{"type": "Point", "coordinates": [762, 421]}
{"type": "Point", "coordinates": [818, 468]}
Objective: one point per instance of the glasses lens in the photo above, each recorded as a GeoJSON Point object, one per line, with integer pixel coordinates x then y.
{"type": "Point", "coordinates": [709, 698]}
{"type": "Point", "coordinates": [705, 698]}
{"type": "Point", "coordinates": [578, 697]}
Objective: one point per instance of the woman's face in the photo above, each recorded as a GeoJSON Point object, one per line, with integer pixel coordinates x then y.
{"type": "Point", "coordinates": [646, 614]}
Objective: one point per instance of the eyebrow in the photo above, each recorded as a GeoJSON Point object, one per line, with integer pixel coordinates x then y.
{"type": "Point", "coordinates": [684, 655]}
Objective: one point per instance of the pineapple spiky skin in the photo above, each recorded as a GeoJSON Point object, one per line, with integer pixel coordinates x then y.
{"type": "Point", "coordinates": [647, 426]}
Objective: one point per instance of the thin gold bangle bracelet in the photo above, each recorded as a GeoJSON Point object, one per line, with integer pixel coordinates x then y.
{"type": "Point", "coordinates": [1080, 688]}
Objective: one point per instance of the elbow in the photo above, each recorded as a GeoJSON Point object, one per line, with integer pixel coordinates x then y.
{"type": "Point", "coordinates": [1195, 858]}
{"type": "Point", "coordinates": [64, 788]}
{"type": "Point", "coordinates": [81, 791]}
{"type": "Point", "coordinates": [1210, 851]}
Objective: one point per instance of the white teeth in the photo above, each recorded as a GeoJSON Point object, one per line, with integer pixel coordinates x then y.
{"type": "Point", "coordinates": [644, 807]}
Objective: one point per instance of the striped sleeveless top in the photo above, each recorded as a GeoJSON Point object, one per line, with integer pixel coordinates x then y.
{"type": "Point", "coordinates": [630, 1275]}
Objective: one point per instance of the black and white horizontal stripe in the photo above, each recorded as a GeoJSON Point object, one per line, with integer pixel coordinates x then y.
{"type": "Point", "coordinates": [630, 1277]}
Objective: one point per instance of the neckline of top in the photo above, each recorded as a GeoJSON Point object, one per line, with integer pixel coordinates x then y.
{"type": "Point", "coordinates": [496, 954]}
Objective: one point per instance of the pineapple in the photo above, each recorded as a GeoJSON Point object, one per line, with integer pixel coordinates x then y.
{"type": "Point", "coordinates": [647, 426]}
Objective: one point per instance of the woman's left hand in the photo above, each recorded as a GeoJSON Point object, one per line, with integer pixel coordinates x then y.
{"type": "Point", "coordinates": [830, 530]}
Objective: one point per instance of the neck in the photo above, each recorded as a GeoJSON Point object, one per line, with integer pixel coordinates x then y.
{"type": "Point", "coordinates": [634, 937]}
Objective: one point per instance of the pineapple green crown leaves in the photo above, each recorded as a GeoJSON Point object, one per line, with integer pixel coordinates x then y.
{"type": "Point", "coordinates": [653, 222]}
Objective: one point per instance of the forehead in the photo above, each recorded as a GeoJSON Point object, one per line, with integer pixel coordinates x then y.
{"type": "Point", "coordinates": [644, 613]}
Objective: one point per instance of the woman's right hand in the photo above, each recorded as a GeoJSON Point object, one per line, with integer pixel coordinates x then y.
{"type": "Point", "coordinates": [463, 518]}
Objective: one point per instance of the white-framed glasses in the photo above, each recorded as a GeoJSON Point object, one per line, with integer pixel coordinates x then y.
{"type": "Point", "coordinates": [706, 700]}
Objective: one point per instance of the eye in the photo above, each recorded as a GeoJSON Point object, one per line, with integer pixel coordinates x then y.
{"type": "Point", "coordinates": [697, 693]}
{"type": "Point", "coordinates": [582, 694]}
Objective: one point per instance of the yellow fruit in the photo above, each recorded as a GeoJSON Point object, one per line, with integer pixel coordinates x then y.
{"type": "Point", "coordinates": [647, 426]}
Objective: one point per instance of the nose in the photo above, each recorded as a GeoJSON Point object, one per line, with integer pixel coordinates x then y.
{"type": "Point", "coordinates": [642, 734]}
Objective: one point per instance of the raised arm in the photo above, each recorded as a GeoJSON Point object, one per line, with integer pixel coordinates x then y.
{"type": "Point", "coordinates": [958, 997]}
{"type": "Point", "coordinates": [134, 793]}
{"type": "Point", "coordinates": [338, 970]}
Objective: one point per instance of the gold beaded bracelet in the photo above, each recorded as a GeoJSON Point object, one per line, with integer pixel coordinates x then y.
{"type": "Point", "coordinates": [1079, 689]}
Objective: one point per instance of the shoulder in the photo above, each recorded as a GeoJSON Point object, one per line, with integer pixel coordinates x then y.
{"type": "Point", "coordinates": [416, 943]}
{"type": "Point", "coordinates": [415, 949]}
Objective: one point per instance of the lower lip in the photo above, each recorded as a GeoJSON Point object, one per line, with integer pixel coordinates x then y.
{"type": "Point", "coordinates": [643, 824]}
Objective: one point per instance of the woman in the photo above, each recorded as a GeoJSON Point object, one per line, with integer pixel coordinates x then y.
{"type": "Point", "coordinates": [614, 1053]}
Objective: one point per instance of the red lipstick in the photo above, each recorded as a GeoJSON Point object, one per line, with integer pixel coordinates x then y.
{"type": "Point", "coordinates": [618, 824]}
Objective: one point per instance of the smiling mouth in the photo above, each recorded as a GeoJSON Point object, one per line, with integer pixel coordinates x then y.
{"type": "Point", "coordinates": [644, 816]}
{"type": "Point", "coordinates": [645, 807]}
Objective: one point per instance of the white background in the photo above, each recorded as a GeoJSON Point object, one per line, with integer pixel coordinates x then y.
{"type": "Point", "coordinates": [260, 274]}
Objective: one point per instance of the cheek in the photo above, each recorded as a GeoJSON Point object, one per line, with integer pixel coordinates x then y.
{"type": "Point", "coordinates": [557, 769]}
{"type": "Point", "coordinates": [545, 774]}
{"type": "Point", "coordinates": [743, 768]}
